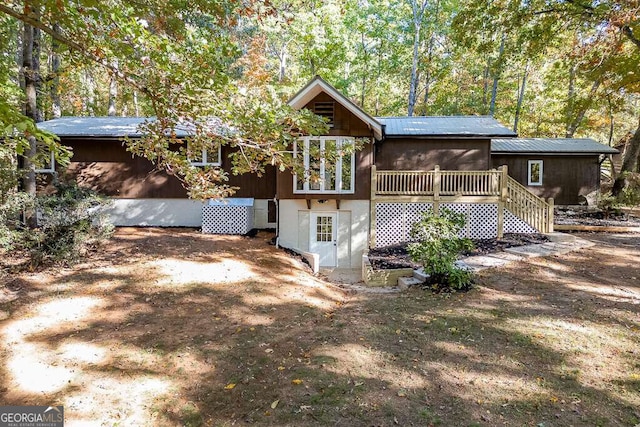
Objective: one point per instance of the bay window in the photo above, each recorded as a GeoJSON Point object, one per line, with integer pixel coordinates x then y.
{"type": "Point", "coordinates": [328, 164]}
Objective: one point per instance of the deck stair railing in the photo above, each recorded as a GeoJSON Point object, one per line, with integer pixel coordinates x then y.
{"type": "Point", "coordinates": [490, 185]}
{"type": "Point", "coordinates": [527, 206]}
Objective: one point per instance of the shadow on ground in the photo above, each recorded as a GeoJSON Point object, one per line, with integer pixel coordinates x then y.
{"type": "Point", "coordinates": [170, 327]}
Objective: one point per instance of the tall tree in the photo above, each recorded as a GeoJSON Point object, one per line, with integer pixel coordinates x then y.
{"type": "Point", "coordinates": [417, 8]}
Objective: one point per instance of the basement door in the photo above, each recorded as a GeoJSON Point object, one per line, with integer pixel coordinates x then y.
{"type": "Point", "coordinates": [323, 239]}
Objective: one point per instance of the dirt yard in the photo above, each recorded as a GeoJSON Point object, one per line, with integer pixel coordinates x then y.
{"type": "Point", "coordinates": [171, 327]}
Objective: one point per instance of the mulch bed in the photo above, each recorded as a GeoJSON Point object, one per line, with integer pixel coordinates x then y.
{"type": "Point", "coordinates": [396, 256]}
{"type": "Point", "coordinates": [595, 218]}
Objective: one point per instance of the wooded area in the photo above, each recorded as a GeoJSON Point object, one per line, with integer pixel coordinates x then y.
{"type": "Point", "coordinates": [547, 68]}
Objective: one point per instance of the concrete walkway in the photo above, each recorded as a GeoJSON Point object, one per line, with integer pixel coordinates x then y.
{"type": "Point", "coordinates": [560, 243]}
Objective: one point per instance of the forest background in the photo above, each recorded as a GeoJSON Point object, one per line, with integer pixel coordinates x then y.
{"type": "Point", "coordinates": [546, 68]}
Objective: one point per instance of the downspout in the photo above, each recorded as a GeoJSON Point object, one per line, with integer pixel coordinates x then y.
{"type": "Point", "coordinates": [275, 201]}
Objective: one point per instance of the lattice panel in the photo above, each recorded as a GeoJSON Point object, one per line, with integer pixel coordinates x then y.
{"type": "Point", "coordinates": [462, 208]}
{"type": "Point", "coordinates": [513, 224]}
{"type": "Point", "coordinates": [390, 224]}
{"type": "Point", "coordinates": [482, 221]}
{"type": "Point", "coordinates": [413, 211]}
{"type": "Point", "coordinates": [393, 220]}
{"type": "Point", "coordinates": [227, 219]}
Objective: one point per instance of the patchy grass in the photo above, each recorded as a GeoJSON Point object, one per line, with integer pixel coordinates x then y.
{"type": "Point", "coordinates": [170, 327]}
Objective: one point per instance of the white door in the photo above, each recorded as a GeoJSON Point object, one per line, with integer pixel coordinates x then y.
{"type": "Point", "coordinates": [324, 237]}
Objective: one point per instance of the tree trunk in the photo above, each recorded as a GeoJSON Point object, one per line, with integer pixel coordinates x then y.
{"type": "Point", "coordinates": [413, 84]}
{"type": "Point", "coordinates": [135, 103]}
{"type": "Point", "coordinates": [496, 78]}
{"type": "Point", "coordinates": [579, 113]}
{"type": "Point", "coordinates": [485, 86]}
{"type": "Point", "coordinates": [418, 12]}
{"type": "Point", "coordinates": [90, 100]}
{"type": "Point", "coordinates": [628, 163]}
{"type": "Point", "coordinates": [113, 92]}
{"type": "Point", "coordinates": [365, 60]}
{"type": "Point", "coordinates": [31, 111]}
{"type": "Point", "coordinates": [520, 97]}
{"type": "Point", "coordinates": [54, 91]}
{"type": "Point", "coordinates": [282, 58]}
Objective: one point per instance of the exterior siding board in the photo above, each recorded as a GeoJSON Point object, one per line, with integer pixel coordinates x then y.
{"type": "Point", "coordinates": [107, 167]}
{"type": "Point", "coordinates": [425, 154]}
{"type": "Point", "coordinates": [345, 123]}
{"type": "Point", "coordinates": [565, 178]}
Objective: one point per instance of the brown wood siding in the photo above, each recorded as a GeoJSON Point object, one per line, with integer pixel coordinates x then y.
{"type": "Point", "coordinates": [105, 166]}
{"type": "Point", "coordinates": [345, 124]}
{"type": "Point", "coordinates": [425, 154]}
{"type": "Point", "coordinates": [565, 178]}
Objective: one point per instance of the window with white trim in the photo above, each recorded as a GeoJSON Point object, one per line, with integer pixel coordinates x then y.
{"type": "Point", "coordinates": [333, 173]}
{"type": "Point", "coordinates": [46, 162]}
{"type": "Point", "coordinates": [534, 172]}
{"type": "Point", "coordinates": [206, 158]}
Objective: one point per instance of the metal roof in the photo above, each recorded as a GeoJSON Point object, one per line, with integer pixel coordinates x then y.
{"type": "Point", "coordinates": [550, 145]}
{"type": "Point", "coordinates": [444, 126]}
{"type": "Point", "coordinates": [108, 127]}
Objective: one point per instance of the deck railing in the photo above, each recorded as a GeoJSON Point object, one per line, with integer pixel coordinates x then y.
{"type": "Point", "coordinates": [527, 206]}
{"type": "Point", "coordinates": [495, 185]}
{"type": "Point", "coordinates": [437, 182]}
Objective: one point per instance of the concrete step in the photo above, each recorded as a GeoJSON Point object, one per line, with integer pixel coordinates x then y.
{"type": "Point", "coordinates": [405, 282]}
{"type": "Point", "coordinates": [420, 274]}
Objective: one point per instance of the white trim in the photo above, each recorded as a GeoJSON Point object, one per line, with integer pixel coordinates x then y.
{"type": "Point", "coordinates": [205, 161]}
{"type": "Point", "coordinates": [49, 168]}
{"type": "Point", "coordinates": [317, 86]}
{"type": "Point", "coordinates": [530, 163]}
{"type": "Point", "coordinates": [339, 140]}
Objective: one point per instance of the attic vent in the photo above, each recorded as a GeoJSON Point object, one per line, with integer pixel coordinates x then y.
{"type": "Point", "coordinates": [324, 109]}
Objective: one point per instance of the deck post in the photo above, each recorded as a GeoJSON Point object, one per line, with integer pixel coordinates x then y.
{"type": "Point", "coordinates": [372, 207]}
{"type": "Point", "coordinates": [436, 190]}
{"type": "Point", "coordinates": [504, 175]}
{"type": "Point", "coordinates": [550, 216]}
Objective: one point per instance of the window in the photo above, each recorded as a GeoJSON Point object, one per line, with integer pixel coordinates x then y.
{"type": "Point", "coordinates": [534, 175]}
{"type": "Point", "coordinates": [326, 110]}
{"type": "Point", "coordinates": [46, 162]}
{"type": "Point", "coordinates": [322, 175]}
{"type": "Point", "coordinates": [206, 158]}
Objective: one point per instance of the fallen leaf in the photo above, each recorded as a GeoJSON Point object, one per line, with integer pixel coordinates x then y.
{"type": "Point", "coordinates": [269, 350]}
{"type": "Point", "coordinates": [297, 381]}
{"type": "Point", "coordinates": [281, 368]}
{"type": "Point", "coordinates": [275, 404]}
{"type": "Point", "coordinates": [229, 386]}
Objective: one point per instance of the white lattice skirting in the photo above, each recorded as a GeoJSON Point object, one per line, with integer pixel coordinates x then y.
{"type": "Point", "coordinates": [227, 219]}
{"type": "Point", "coordinates": [394, 220]}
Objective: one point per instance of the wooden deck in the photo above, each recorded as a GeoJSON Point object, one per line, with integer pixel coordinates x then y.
{"type": "Point", "coordinates": [441, 186]}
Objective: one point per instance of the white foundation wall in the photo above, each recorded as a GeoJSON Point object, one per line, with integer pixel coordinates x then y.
{"type": "Point", "coordinates": [171, 213]}
{"type": "Point", "coordinates": [353, 227]}
{"type": "Point", "coordinates": [261, 214]}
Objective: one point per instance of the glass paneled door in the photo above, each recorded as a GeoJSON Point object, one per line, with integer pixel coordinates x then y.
{"type": "Point", "coordinates": [323, 239]}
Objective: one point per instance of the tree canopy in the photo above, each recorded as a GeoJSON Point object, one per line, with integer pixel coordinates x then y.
{"type": "Point", "coordinates": [547, 68]}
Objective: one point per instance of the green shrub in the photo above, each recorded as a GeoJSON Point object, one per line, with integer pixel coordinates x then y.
{"type": "Point", "coordinates": [70, 222]}
{"type": "Point", "coordinates": [436, 246]}
{"type": "Point", "coordinates": [629, 197]}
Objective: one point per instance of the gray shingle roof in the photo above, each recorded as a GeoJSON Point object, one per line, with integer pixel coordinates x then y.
{"type": "Point", "coordinates": [550, 145]}
{"type": "Point", "coordinates": [445, 126]}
